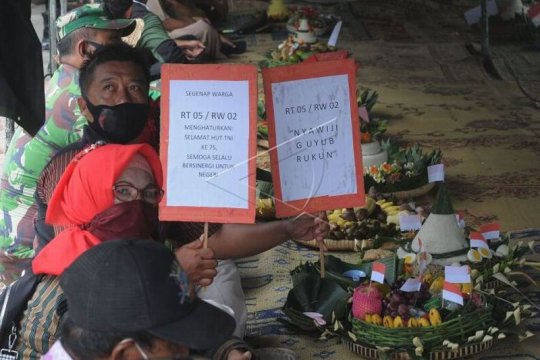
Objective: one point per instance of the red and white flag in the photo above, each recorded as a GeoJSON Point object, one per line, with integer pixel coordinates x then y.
{"type": "Point", "coordinates": [457, 274]}
{"type": "Point", "coordinates": [377, 272]}
{"type": "Point", "coordinates": [452, 292]}
{"type": "Point", "coordinates": [534, 14]}
{"type": "Point", "coordinates": [491, 231]}
{"type": "Point", "coordinates": [411, 285]}
{"type": "Point", "coordinates": [478, 240]}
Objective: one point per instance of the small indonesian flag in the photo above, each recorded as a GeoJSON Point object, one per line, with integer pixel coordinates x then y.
{"type": "Point", "coordinates": [478, 240]}
{"type": "Point", "coordinates": [419, 244]}
{"type": "Point", "coordinates": [411, 285]}
{"type": "Point", "coordinates": [457, 274]}
{"type": "Point", "coordinates": [491, 231]}
{"type": "Point", "coordinates": [534, 14]}
{"type": "Point", "coordinates": [452, 292]}
{"type": "Point", "coordinates": [377, 272]}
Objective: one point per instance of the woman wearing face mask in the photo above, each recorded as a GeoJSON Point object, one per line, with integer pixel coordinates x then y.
{"type": "Point", "coordinates": [107, 192]}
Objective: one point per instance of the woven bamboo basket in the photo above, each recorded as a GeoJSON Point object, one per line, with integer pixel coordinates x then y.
{"type": "Point", "coordinates": [455, 330]}
{"type": "Point", "coordinates": [367, 352]}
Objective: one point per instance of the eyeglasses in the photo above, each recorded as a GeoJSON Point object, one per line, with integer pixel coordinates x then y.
{"type": "Point", "coordinates": [125, 191]}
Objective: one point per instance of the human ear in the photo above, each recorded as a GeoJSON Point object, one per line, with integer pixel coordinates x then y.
{"type": "Point", "coordinates": [84, 109]}
{"type": "Point", "coordinates": [122, 350]}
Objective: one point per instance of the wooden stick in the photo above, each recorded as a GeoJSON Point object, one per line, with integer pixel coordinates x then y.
{"type": "Point", "coordinates": [321, 255]}
{"type": "Point", "coordinates": [205, 238]}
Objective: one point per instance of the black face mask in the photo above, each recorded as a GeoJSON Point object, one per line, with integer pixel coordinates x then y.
{"type": "Point", "coordinates": [119, 124]}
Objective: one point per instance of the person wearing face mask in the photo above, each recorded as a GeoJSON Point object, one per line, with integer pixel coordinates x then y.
{"type": "Point", "coordinates": [135, 306]}
{"type": "Point", "coordinates": [80, 33]}
{"type": "Point", "coordinates": [119, 202]}
{"type": "Point", "coordinates": [114, 88]}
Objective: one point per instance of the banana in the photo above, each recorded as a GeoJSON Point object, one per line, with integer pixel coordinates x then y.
{"type": "Point", "coordinates": [398, 322]}
{"type": "Point", "coordinates": [388, 321]}
{"type": "Point", "coordinates": [380, 202]}
{"type": "Point", "coordinates": [434, 317]}
{"type": "Point", "coordinates": [367, 318]}
{"type": "Point", "coordinates": [413, 323]}
{"type": "Point", "coordinates": [423, 322]}
{"type": "Point", "coordinates": [387, 205]}
{"type": "Point", "coordinates": [391, 210]}
{"type": "Point", "coordinates": [376, 319]}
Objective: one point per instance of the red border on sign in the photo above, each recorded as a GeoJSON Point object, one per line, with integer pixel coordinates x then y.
{"type": "Point", "coordinates": [228, 72]}
{"type": "Point", "coordinates": [310, 71]}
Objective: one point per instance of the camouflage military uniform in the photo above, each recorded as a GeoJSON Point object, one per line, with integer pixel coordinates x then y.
{"type": "Point", "coordinates": [27, 157]}
{"type": "Point", "coordinates": [25, 160]}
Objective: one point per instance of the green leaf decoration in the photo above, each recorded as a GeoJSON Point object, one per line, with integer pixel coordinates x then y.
{"type": "Point", "coordinates": [442, 205]}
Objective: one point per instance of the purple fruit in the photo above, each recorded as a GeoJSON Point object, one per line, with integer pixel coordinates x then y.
{"type": "Point", "coordinates": [403, 310]}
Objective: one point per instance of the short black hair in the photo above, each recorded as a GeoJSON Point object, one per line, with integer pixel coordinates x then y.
{"type": "Point", "coordinates": [90, 345]}
{"type": "Point", "coordinates": [116, 9]}
{"type": "Point", "coordinates": [66, 45]}
{"type": "Point", "coordinates": [114, 52]}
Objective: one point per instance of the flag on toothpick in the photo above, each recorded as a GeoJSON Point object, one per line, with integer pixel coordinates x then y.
{"type": "Point", "coordinates": [491, 231]}
{"type": "Point", "coordinates": [478, 240]}
{"type": "Point", "coordinates": [411, 285]}
{"type": "Point", "coordinates": [452, 292]}
{"type": "Point", "coordinates": [457, 274]}
{"type": "Point", "coordinates": [377, 272]}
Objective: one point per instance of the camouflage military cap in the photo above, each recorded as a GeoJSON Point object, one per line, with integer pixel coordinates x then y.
{"type": "Point", "coordinates": [91, 16]}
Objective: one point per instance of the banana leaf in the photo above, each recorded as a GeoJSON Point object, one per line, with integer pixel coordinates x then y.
{"type": "Point", "coordinates": [313, 294]}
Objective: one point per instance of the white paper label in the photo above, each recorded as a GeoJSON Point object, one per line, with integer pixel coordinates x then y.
{"type": "Point", "coordinates": [208, 144]}
{"type": "Point", "coordinates": [409, 222]}
{"type": "Point", "coordinates": [435, 173]}
{"type": "Point", "coordinates": [314, 137]}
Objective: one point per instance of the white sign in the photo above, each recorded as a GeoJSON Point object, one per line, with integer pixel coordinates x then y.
{"type": "Point", "coordinates": [409, 222]}
{"type": "Point", "coordinates": [411, 285]}
{"type": "Point", "coordinates": [457, 274]}
{"type": "Point", "coordinates": [208, 144]}
{"type": "Point", "coordinates": [332, 41]}
{"type": "Point", "coordinates": [314, 137]}
{"type": "Point", "coordinates": [435, 173]}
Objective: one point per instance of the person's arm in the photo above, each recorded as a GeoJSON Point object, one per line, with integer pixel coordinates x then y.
{"type": "Point", "coordinates": [155, 38]}
{"type": "Point", "coordinates": [242, 240]}
{"type": "Point", "coordinates": [171, 24]}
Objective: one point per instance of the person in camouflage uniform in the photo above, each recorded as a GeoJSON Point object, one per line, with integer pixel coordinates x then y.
{"type": "Point", "coordinates": [80, 33]}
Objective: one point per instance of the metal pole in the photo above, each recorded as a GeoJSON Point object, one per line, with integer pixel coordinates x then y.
{"type": "Point", "coordinates": [63, 7]}
{"type": "Point", "coordinates": [485, 30]}
{"type": "Point", "coordinates": [52, 36]}
{"type": "Point", "coordinates": [10, 129]}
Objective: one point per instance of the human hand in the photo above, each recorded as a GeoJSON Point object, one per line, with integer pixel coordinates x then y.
{"type": "Point", "coordinates": [225, 40]}
{"type": "Point", "coordinates": [239, 355]}
{"type": "Point", "coordinates": [198, 262]}
{"type": "Point", "coordinates": [192, 48]}
{"type": "Point", "coordinates": [307, 227]}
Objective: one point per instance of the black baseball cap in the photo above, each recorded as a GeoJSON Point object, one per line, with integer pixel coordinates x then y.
{"type": "Point", "coordinates": [137, 285]}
